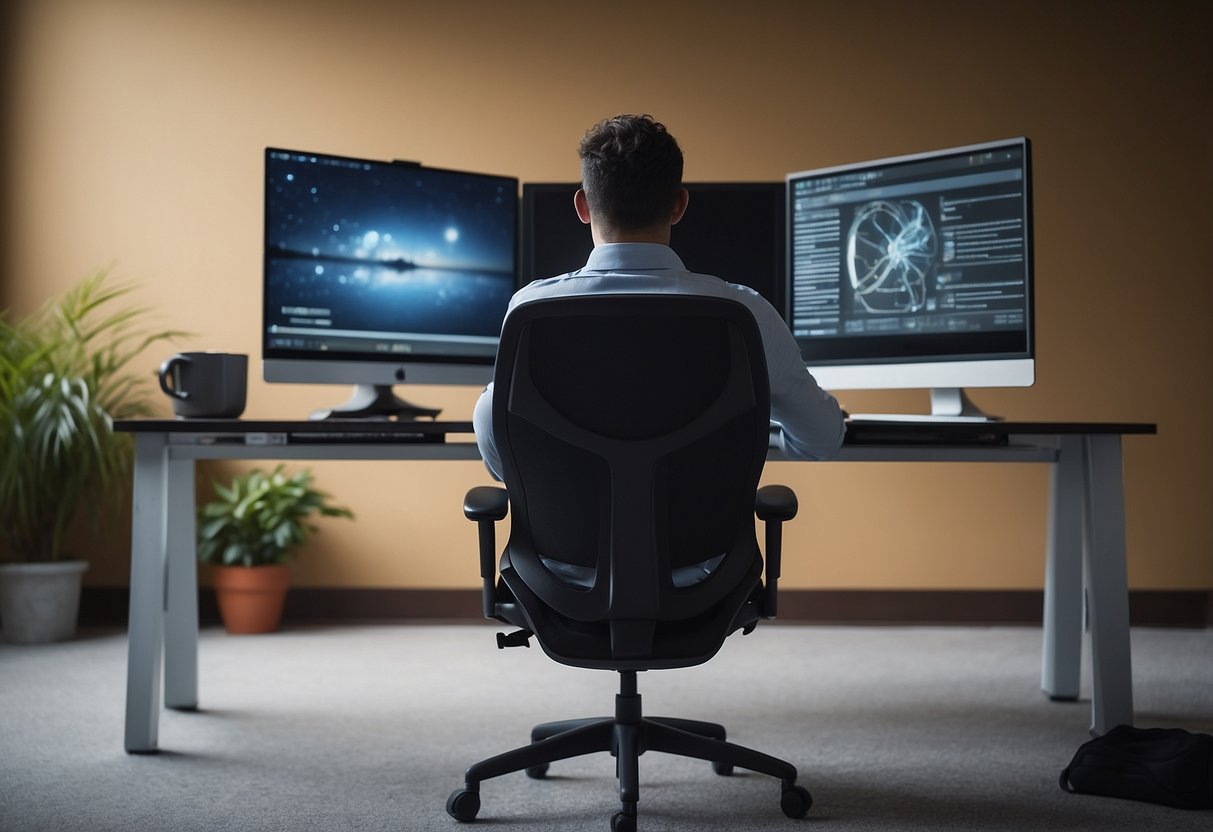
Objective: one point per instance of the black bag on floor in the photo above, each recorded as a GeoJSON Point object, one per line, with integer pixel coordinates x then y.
{"type": "Point", "coordinates": [1170, 766]}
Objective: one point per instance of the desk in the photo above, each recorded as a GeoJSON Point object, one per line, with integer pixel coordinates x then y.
{"type": "Point", "coordinates": [1085, 549]}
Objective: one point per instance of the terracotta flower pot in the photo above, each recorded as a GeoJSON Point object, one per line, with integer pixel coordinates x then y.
{"type": "Point", "coordinates": [251, 597]}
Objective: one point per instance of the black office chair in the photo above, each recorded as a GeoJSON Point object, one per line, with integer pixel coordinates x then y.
{"type": "Point", "coordinates": [632, 431]}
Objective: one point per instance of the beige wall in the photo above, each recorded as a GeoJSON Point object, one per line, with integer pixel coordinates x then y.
{"type": "Point", "coordinates": [134, 132]}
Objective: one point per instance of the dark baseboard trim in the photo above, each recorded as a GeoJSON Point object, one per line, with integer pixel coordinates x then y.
{"type": "Point", "coordinates": [107, 606]}
{"type": "Point", "coordinates": [327, 604]}
{"type": "Point", "coordinates": [1147, 608]}
{"type": "Point", "coordinates": [100, 606]}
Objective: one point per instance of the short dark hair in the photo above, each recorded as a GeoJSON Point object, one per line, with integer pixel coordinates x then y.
{"type": "Point", "coordinates": [631, 171]}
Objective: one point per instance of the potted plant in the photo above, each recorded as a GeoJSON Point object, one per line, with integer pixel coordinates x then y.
{"type": "Point", "coordinates": [63, 382]}
{"type": "Point", "coordinates": [251, 532]}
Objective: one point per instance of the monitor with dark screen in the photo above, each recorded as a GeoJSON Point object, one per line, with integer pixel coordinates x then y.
{"type": "Point", "coordinates": [378, 273]}
{"type": "Point", "coordinates": [733, 230]}
{"type": "Point", "coordinates": [915, 271]}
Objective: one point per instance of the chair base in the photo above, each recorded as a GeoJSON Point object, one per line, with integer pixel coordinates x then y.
{"type": "Point", "coordinates": [626, 736]}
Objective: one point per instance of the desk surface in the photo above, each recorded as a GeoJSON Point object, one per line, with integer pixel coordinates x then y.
{"type": "Point", "coordinates": [858, 432]}
{"type": "Point", "coordinates": [300, 426]}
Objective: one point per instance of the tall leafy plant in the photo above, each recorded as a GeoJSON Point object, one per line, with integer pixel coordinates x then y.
{"type": "Point", "coordinates": [64, 379]}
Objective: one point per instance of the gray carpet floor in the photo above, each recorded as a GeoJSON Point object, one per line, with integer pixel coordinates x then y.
{"type": "Point", "coordinates": [370, 728]}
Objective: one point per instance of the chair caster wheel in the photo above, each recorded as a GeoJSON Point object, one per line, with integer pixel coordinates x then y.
{"type": "Point", "coordinates": [723, 769]}
{"type": "Point", "coordinates": [537, 772]}
{"type": "Point", "coordinates": [463, 805]}
{"type": "Point", "coordinates": [796, 802]}
{"type": "Point", "coordinates": [621, 822]}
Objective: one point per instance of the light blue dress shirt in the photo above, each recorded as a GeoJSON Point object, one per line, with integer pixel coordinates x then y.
{"type": "Point", "coordinates": [810, 420]}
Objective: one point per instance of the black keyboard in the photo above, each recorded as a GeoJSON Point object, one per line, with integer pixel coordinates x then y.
{"type": "Point", "coordinates": [362, 437]}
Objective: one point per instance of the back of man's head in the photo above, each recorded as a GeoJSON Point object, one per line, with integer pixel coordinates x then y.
{"type": "Point", "coordinates": [631, 172]}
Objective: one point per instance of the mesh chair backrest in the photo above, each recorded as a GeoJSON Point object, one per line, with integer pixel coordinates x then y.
{"type": "Point", "coordinates": [632, 430]}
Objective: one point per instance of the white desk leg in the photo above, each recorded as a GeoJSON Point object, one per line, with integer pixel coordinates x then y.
{"type": "Point", "coordinates": [145, 633]}
{"type": "Point", "coordinates": [181, 612]}
{"type": "Point", "coordinates": [1107, 582]}
{"type": "Point", "coordinates": [1061, 655]}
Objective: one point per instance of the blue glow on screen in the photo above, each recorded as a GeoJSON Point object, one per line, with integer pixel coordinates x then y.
{"type": "Point", "coordinates": [389, 250]}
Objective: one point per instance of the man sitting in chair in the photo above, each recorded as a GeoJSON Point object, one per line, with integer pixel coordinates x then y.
{"type": "Point", "coordinates": [631, 194]}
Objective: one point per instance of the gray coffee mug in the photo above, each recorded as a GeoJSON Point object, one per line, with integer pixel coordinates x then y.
{"type": "Point", "coordinates": [206, 385]}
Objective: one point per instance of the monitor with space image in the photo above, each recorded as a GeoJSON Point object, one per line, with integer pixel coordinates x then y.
{"type": "Point", "coordinates": [380, 273]}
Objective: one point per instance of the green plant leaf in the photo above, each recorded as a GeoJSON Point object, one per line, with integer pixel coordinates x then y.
{"type": "Point", "coordinates": [63, 380]}
{"type": "Point", "coordinates": [233, 554]}
{"type": "Point", "coordinates": [259, 517]}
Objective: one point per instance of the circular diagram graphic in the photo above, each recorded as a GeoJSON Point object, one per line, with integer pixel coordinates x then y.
{"type": "Point", "coordinates": [890, 250]}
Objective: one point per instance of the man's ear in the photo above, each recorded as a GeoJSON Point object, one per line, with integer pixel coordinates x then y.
{"type": "Point", "coordinates": [680, 207]}
{"type": "Point", "coordinates": [582, 206]}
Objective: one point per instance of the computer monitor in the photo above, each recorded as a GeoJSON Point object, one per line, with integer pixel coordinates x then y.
{"type": "Point", "coordinates": [915, 271]}
{"type": "Point", "coordinates": [733, 230]}
{"type": "Point", "coordinates": [378, 273]}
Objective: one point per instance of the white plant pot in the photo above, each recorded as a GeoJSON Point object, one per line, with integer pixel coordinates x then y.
{"type": "Point", "coordinates": [40, 602]}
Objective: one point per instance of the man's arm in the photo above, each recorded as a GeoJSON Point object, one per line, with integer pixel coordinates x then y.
{"type": "Point", "coordinates": [482, 423]}
{"type": "Point", "coordinates": [811, 422]}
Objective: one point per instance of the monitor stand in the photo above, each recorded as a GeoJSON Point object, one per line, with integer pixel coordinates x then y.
{"type": "Point", "coordinates": [376, 401]}
{"type": "Point", "coordinates": [948, 404]}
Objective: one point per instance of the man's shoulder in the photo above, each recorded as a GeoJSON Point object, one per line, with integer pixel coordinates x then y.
{"type": "Point", "coordinates": [736, 291]}
{"type": "Point", "coordinates": [546, 285]}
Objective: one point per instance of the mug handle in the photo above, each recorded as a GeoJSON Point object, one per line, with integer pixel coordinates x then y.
{"type": "Point", "coordinates": [166, 370]}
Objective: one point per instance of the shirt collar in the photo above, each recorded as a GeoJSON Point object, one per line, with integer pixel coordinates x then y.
{"type": "Point", "coordinates": [614, 257]}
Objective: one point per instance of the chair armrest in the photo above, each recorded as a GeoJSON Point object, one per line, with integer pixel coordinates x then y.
{"type": "Point", "coordinates": [775, 502]}
{"type": "Point", "coordinates": [773, 505]}
{"type": "Point", "coordinates": [486, 502]}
